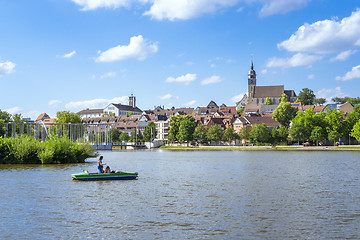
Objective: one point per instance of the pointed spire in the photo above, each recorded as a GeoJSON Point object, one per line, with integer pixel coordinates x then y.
{"type": "Point", "coordinates": [252, 65]}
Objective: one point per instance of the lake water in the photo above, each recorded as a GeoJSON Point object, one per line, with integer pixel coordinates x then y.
{"type": "Point", "coordinates": [188, 195]}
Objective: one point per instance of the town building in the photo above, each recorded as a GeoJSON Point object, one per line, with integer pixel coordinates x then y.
{"type": "Point", "coordinates": [258, 94]}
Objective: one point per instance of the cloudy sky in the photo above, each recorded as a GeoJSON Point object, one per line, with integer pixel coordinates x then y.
{"type": "Point", "coordinates": [77, 54]}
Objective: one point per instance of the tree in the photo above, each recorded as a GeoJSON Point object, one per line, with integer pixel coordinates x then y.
{"type": "Point", "coordinates": [340, 100]}
{"type": "Point", "coordinates": [115, 134]}
{"type": "Point", "coordinates": [284, 98]}
{"type": "Point", "coordinates": [268, 101]}
{"type": "Point", "coordinates": [229, 134]}
{"type": "Point", "coordinates": [240, 111]}
{"type": "Point", "coordinates": [279, 135]}
{"type": "Point", "coordinates": [244, 133]}
{"type": "Point", "coordinates": [284, 113]}
{"type": "Point", "coordinates": [334, 135]}
{"type": "Point", "coordinates": [5, 117]}
{"type": "Point", "coordinates": [335, 124]}
{"type": "Point", "coordinates": [150, 132]}
{"type": "Point", "coordinates": [124, 137]}
{"type": "Point", "coordinates": [174, 127]}
{"type": "Point", "coordinates": [214, 133]}
{"type": "Point", "coordinates": [186, 129]}
{"type": "Point", "coordinates": [260, 133]}
{"type": "Point", "coordinates": [68, 117]}
{"type": "Point", "coordinates": [355, 132]}
{"type": "Point", "coordinates": [351, 119]}
{"type": "Point", "coordinates": [297, 131]}
{"type": "Point", "coordinates": [200, 134]}
{"type": "Point", "coordinates": [306, 96]}
{"type": "Point", "coordinates": [318, 134]}
{"type": "Point", "coordinates": [354, 100]}
{"type": "Point", "coordinates": [319, 101]}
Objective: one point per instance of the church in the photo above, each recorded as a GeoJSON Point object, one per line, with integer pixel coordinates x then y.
{"type": "Point", "coordinates": [258, 94]}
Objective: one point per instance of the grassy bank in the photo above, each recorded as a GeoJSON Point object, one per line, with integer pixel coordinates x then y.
{"type": "Point", "coordinates": [26, 150]}
{"type": "Point", "coordinates": [263, 148]}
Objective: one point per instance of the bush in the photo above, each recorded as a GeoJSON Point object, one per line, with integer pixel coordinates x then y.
{"type": "Point", "coordinates": [26, 150]}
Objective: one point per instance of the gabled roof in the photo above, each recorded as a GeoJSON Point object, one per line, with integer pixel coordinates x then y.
{"type": "Point", "coordinates": [125, 107]}
{"type": "Point", "coordinates": [268, 91]}
{"type": "Point", "coordinates": [212, 104]}
{"type": "Point", "coordinates": [90, 111]}
{"type": "Point", "coordinates": [42, 117]}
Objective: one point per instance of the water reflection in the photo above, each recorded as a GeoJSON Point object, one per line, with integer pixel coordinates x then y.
{"type": "Point", "coordinates": [182, 195]}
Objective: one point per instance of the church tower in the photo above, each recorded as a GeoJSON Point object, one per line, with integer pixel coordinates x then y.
{"type": "Point", "coordinates": [251, 83]}
{"type": "Point", "coordinates": [132, 101]}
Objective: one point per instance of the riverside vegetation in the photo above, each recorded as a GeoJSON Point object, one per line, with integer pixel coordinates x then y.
{"type": "Point", "coordinates": [26, 150]}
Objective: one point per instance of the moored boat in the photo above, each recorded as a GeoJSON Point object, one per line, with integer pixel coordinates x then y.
{"type": "Point", "coordinates": [118, 175]}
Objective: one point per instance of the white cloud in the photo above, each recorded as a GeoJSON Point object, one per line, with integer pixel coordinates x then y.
{"type": "Point", "coordinates": [272, 7]}
{"type": "Point", "coordinates": [237, 98]}
{"type": "Point", "coordinates": [138, 48]}
{"type": "Point", "coordinates": [177, 9]}
{"type": "Point", "coordinates": [296, 60]}
{"type": "Point", "coordinates": [186, 79]}
{"type": "Point", "coordinates": [353, 74]}
{"type": "Point", "coordinates": [70, 54]}
{"type": "Point", "coordinates": [343, 55]}
{"type": "Point", "coordinates": [328, 94]}
{"type": "Point", "coordinates": [95, 103]}
{"type": "Point", "coordinates": [211, 80]}
{"type": "Point", "coordinates": [311, 76]}
{"type": "Point", "coordinates": [166, 96]}
{"type": "Point", "coordinates": [189, 104]}
{"type": "Point", "coordinates": [54, 103]}
{"type": "Point", "coordinates": [94, 4]}
{"type": "Point", "coordinates": [14, 110]}
{"type": "Point", "coordinates": [7, 68]}
{"type": "Point", "coordinates": [325, 36]}
{"type": "Point", "coordinates": [108, 75]}
{"type": "Point", "coordinates": [185, 9]}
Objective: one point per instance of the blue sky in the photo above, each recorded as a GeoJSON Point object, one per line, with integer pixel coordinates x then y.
{"type": "Point", "coordinates": [77, 54]}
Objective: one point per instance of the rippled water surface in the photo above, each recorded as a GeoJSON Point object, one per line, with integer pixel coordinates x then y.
{"type": "Point", "coordinates": [188, 195]}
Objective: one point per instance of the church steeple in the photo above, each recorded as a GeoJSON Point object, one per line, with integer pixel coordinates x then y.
{"type": "Point", "coordinates": [251, 82]}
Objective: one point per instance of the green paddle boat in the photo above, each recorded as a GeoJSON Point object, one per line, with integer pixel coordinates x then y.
{"type": "Point", "coordinates": [118, 175]}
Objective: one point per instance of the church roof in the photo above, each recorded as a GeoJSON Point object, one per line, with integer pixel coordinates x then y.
{"type": "Point", "coordinates": [268, 91]}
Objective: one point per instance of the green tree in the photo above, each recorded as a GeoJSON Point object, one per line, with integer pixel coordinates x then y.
{"type": "Point", "coordinates": [200, 134]}
{"type": "Point", "coordinates": [319, 101]}
{"type": "Point", "coordinates": [318, 134]}
{"type": "Point", "coordinates": [244, 133]}
{"type": "Point", "coordinates": [260, 133]}
{"type": "Point", "coordinates": [297, 131]}
{"type": "Point", "coordinates": [136, 136]}
{"type": "Point", "coordinates": [68, 117]}
{"type": "Point", "coordinates": [150, 132]}
{"type": "Point", "coordinates": [229, 134]}
{"type": "Point", "coordinates": [284, 113]}
{"type": "Point", "coordinates": [279, 135]}
{"type": "Point", "coordinates": [186, 129]}
{"type": "Point", "coordinates": [355, 132]}
{"type": "Point", "coordinates": [5, 117]}
{"type": "Point", "coordinates": [334, 135]}
{"type": "Point", "coordinates": [268, 101]}
{"type": "Point", "coordinates": [214, 133]}
{"type": "Point", "coordinates": [124, 137]}
{"type": "Point", "coordinates": [306, 96]}
{"type": "Point", "coordinates": [340, 100]}
{"type": "Point", "coordinates": [115, 134]}
{"type": "Point", "coordinates": [351, 119]}
{"type": "Point", "coordinates": [284, 98]}
{"type": "Point", "coordinates": [335, 124]}
{"type": "Point", "coordinates": [174, 127]}
{"type": "Point", "coordinates": [240, 111]}
{"type": "Point", "coordinates": [354, 100]}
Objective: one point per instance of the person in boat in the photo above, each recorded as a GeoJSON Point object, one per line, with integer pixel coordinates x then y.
{"type": "Point", "coordinates": [107, 169]}
{"type": "Point", "coordinates": [101, 164]}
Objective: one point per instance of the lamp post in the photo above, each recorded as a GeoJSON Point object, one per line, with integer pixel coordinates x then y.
{"type": "Point", "coordinates": [349, 138]}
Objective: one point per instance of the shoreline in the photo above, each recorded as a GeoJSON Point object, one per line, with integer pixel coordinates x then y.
{"type": "Point", "coordinates": [267, 148]}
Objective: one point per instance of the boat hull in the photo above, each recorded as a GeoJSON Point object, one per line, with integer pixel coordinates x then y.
{"type": "Point", "coordinates": [104, 176]}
